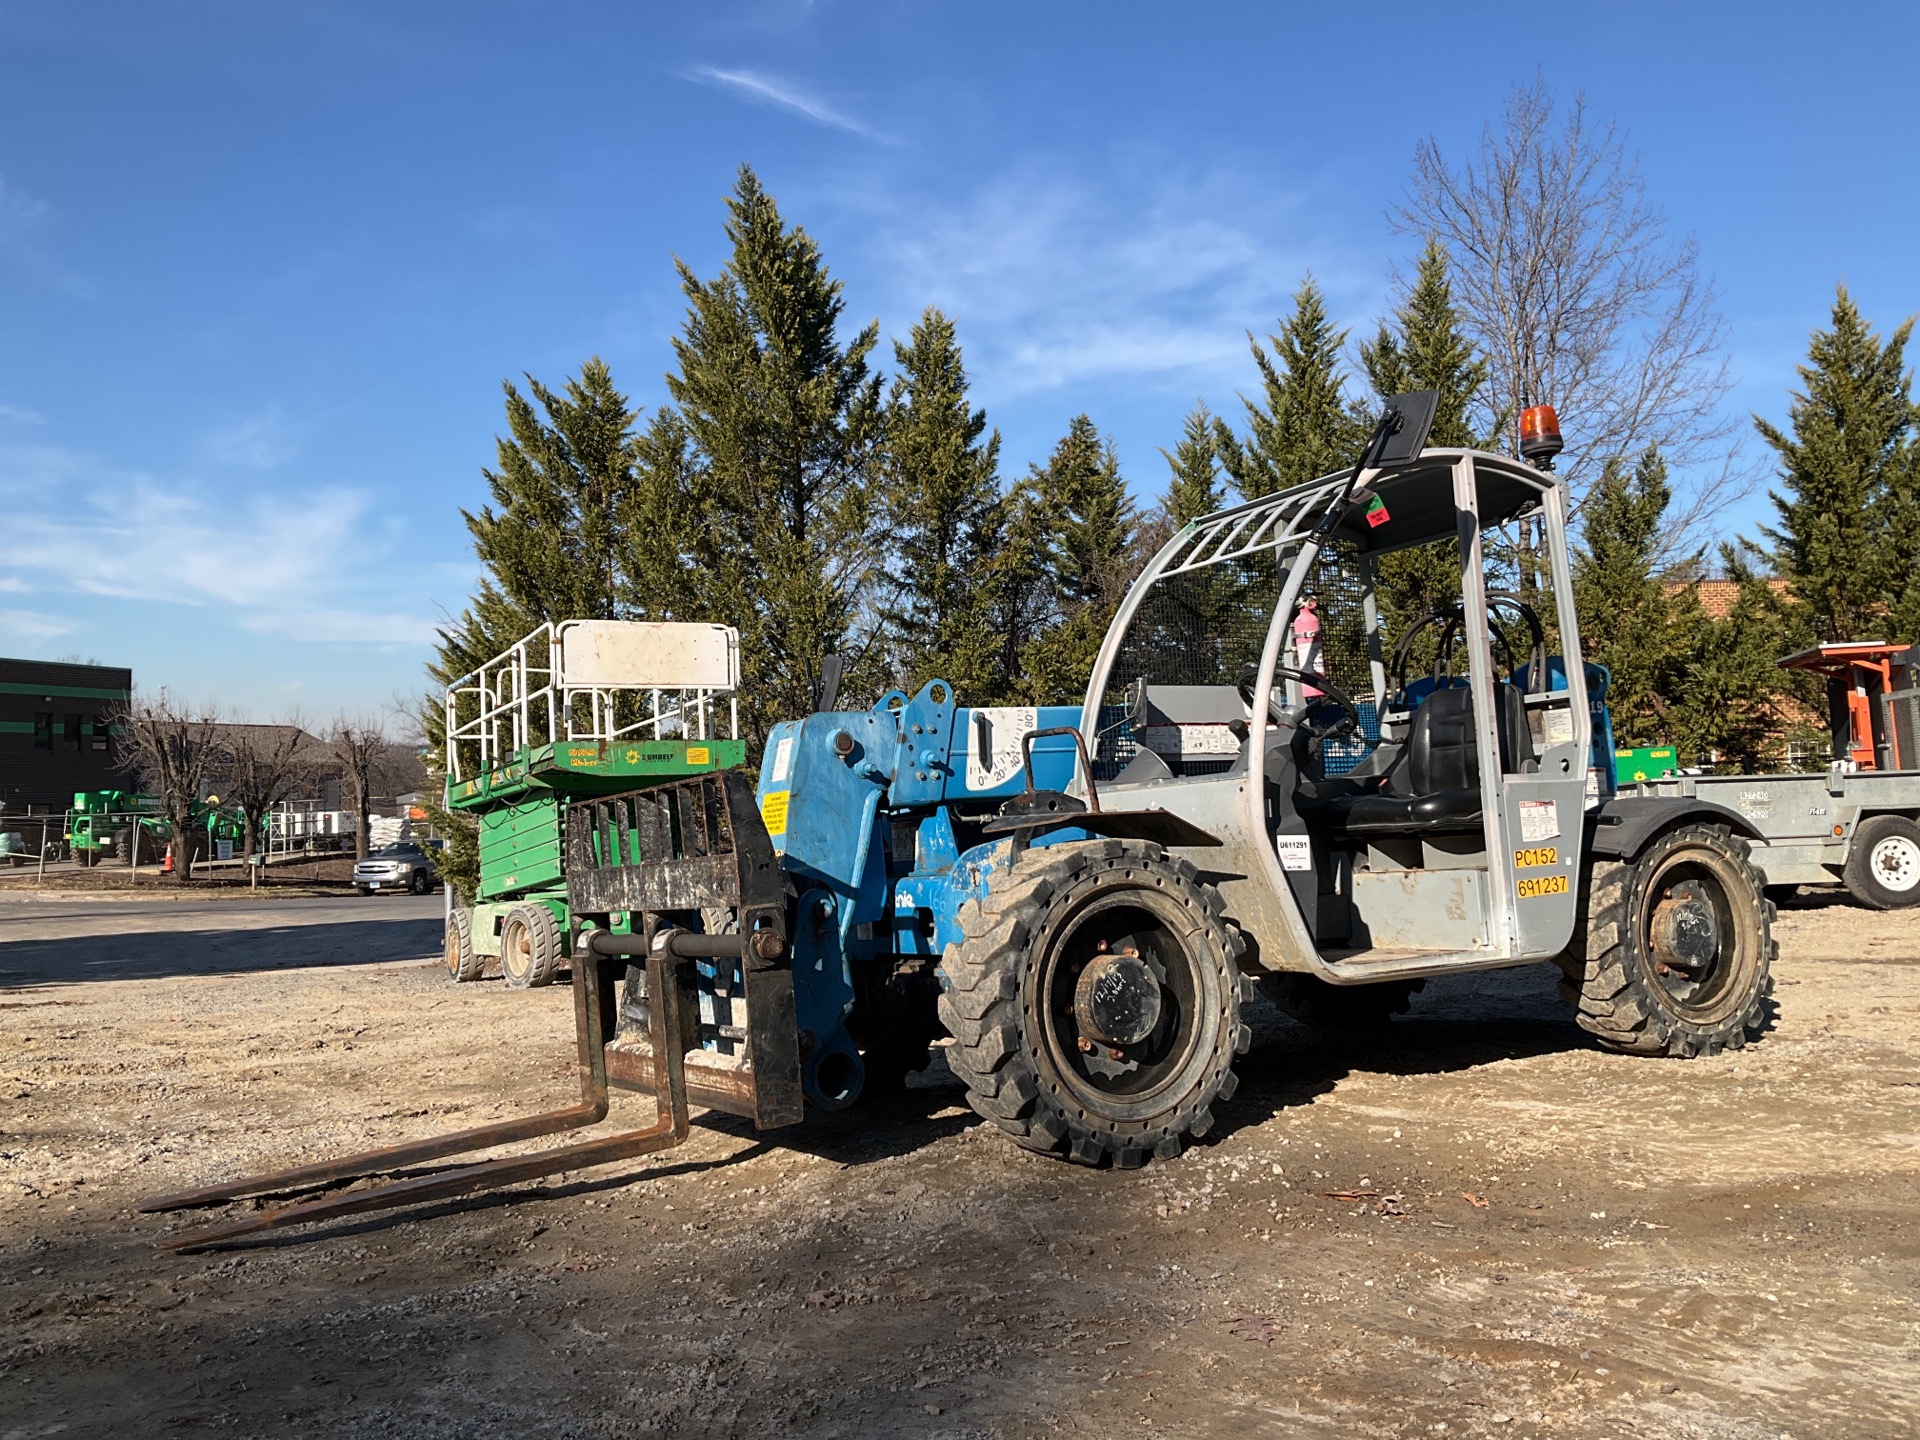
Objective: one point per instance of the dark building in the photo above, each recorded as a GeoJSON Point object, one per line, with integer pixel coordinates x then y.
{"type": "Point", "coordinates": [53, 731]}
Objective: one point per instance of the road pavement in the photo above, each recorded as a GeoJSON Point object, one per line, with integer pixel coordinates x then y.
{"type": "Point", "coordinates": [71, 941]}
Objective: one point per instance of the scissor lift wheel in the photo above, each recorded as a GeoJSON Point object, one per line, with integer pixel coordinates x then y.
{"type": "Point", "coordinates": [529, 947]}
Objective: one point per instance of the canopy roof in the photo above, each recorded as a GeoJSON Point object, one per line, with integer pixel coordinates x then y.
{"type": "Point", "coordinates": [1418, 498]}
{"type": "Point", "coordinates": [1839, 655]}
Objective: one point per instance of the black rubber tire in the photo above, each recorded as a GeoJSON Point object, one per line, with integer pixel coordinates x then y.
{"type": "Point", "coordinates": [1313, 1001]}
{"type": "Point", "coordinates": [463, 965]}
{"type": "Point", "coordinates": [529, 947]}
{"type": "Point", "coordinates": [994, 1001]}
{"type": "Point", "coordinates": [419, 884]}
{"type": "Point", "coordinates": [1883, 863]}
{"type": "Point", "coordinates": [1611, 974]}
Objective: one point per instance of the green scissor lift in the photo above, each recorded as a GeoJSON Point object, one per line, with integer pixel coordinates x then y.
{"type": "Point", "coordinates": [576, 709]}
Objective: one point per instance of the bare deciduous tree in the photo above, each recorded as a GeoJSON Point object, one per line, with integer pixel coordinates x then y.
{"type": "Point", "coordinates": [173, 748]}
{"type": "Point", "coordinates": [261, 765]}
{"type": "Point", "coordinates": [1577, 296]}
{"type": "Point", "coordinates": [371, 762]}
{"type": "Point", "coordinates": [358, 745]}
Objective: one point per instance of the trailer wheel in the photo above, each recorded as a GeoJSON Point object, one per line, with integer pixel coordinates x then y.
{"type": "Point", "coordinates": [1883, 863]}
{"type": "Point", "coordinates": [1313, 1001]}
{"type": "Point", "coordinates": [462, 964]}
{"type": "Point", "coordinates": [1675, 950]}
{"type": "Point", "coordinates": [529, 947]}
{"type": "Point", "coordinates": [1095, 1002]}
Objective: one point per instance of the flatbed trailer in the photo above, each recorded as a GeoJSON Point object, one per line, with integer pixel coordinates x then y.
{"type": "Point", "coordinates": [1857, 828]}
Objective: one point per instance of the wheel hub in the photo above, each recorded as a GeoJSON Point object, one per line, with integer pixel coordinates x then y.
{"type": "Point", "coordinates": [1685, 935]}
{"type": "Point", "coordinates": [1896, 863]}
{"type": "Point", "coordinates": [1117, 1000]}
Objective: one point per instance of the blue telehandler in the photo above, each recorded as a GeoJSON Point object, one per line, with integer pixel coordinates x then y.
{"type": "Point", "coordinates": [1077, 902]}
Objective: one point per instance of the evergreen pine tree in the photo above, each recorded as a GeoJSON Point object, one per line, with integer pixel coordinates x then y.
{"type": "Point", "coordinates": [942, 489]}
{"type": "Point", "coordinates": [1733, 699]}
{"type": "Point", "coordinates": [767, 460]}
{"type": "Point", "coordinates": [549, 542]}
{"type": "Point", "coordinates": [1193, 486]}
{"type": "Point", "coordinates": [1899, 529]}
{"type": "Point", "coordinates": [1647, 634]}
{"type": "Point", "coordinates": [1844, 467]}
{"type": "Point", "coordinates": [1425, 348]}
{"type": "Point", "coordinates": [1017, 594]}
{"type": "Point", "coordinates": [1302, 428]}
{"type": "Point", "coordinates": [1081, 503]}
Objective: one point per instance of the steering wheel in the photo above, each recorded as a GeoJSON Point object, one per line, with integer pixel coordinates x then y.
{"type": "Point", "coordinates": [1331, 695]}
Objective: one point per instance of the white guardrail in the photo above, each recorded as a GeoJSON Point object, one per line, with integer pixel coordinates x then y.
{"type": "Point", "coordinates": [589, 681]}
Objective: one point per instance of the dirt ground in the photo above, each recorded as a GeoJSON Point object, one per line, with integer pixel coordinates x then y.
{"type": "Point", "coordinates": [1546, 1239]}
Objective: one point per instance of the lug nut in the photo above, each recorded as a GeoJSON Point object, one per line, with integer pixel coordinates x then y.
{"type": "Point", "coordinates": [1086, 1045]}
{"type": "Point", "coordinates": [1116, 1053]}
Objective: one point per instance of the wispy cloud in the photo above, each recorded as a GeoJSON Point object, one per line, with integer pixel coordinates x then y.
{"type": "Point", "coordinates": [21, 417]}
{"type": "Point", "coordinates": [18, 210]}
{"type": "Point", "coordinates": [22, 237]}
{"type": "Point", "coordinates": [28, 625]}
{"type": "Point", "coordinates": [296, 563]}
{"type": "Point", "coordinates": [14, 585]}
{"type": "Point", "coordinates": [257, 442]}
{"type": "Point", "coordinates": [772, 90]}
{"type": "Point", "coordinates": [1151, 275]}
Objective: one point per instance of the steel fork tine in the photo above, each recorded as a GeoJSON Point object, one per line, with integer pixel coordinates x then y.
{"type": "Point", "coordinates": [670, 1127]}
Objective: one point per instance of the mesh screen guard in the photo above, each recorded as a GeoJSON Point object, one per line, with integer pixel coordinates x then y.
{"type": "Point", "coordinates": [1207, 625]}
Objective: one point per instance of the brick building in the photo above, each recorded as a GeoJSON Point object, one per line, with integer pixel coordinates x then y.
{"type": "Point", "coordinates": [53, 731]}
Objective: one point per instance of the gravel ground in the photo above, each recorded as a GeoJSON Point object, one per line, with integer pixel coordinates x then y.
{"type": "Point", "coordinates": [1475, 1224]}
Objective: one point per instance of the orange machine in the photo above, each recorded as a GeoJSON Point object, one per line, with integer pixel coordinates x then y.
{"type": "Point", "coordinates": [1860, 675]}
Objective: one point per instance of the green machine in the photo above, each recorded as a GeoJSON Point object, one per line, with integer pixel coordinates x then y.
{"type": "Point", "coordinates": [577, 709]}
{"type": "Point", "coordinates": [100, 819]}
{"type": "Point", "coordinates": [1644, 762]}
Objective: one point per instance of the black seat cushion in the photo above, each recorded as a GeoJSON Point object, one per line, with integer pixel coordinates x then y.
{"type": "Point", "coordinates": [1435, 786]}
{"type": "Point", "coordinates": [1442, 811]}
{"type": "Point", "coordinates": [1440, 751]}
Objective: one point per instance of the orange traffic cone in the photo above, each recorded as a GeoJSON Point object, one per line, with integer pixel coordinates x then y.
{"type": "Point", "coordinates": [166, 866]}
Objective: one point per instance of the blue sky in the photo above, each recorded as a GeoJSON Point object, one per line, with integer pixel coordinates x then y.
{"type": "Point", "coordinates": [264, 267]}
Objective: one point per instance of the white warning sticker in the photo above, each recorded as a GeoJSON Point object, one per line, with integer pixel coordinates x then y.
{"type": "Point", "coordinates": [1191, 741]}
{"type": "Point", "coordinates": [1539, 820]}
{"type": "Point", "coordinates": [993, 744]}
{"type": "Point", "coordinates": [1296, 852]}
{"type": "Point", "coordinates": [783, 760]}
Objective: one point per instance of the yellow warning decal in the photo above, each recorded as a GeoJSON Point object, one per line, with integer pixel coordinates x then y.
{"type": "Point", "coordinates": [699, 755]}
{"type": "Point", "coordinates": [773, 810]}
{"type": "Point", "coordinates": [1534, 859]}
{"type": "Point", "coordinates": [1543, 885]}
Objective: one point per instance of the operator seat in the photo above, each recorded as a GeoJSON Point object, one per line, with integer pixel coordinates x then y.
{"type": "Point", "coordinates": [1434, 785]}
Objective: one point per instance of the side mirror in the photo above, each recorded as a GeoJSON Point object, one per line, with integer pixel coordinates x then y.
{"type": "Point", "coordinates": [1408, 418]}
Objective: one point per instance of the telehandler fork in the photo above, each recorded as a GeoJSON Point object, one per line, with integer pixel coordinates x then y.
{"type": "Point", "coordinates": [620, 849]}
